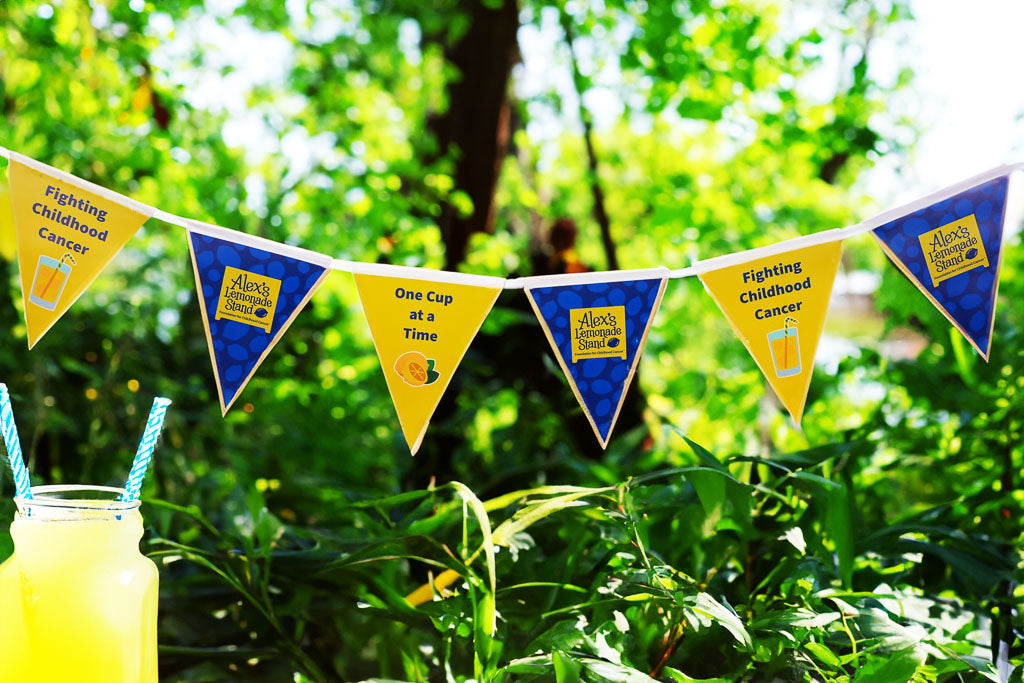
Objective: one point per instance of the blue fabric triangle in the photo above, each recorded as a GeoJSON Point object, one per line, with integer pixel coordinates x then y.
{"type": "Point", "coordinates": [600, 382]}
{"type": "Point", "coordinates": [238, 347]}
{"type": "Point", "coordinates": [967, 298]}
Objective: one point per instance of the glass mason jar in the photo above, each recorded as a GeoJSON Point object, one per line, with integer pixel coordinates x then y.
{"type": "Point", "coordinates": [78, 601]}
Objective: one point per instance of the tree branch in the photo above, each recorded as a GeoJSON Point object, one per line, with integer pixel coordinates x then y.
{"type": "Point", "coordinates": [600, 214]}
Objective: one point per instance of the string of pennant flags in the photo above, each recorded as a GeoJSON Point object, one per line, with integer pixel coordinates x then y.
{"type": "Point", "coordinates": [949, 244]}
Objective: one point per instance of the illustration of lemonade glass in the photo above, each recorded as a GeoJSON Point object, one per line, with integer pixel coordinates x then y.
{"type": "Point", "coordinates": [78, 601]}
{"type": "Point", "coordinates": [785, 347]}
{"type": "Point", "coordinates": [50, 279]}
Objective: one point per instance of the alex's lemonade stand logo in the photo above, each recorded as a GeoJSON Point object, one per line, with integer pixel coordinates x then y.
{"type": "Point", "coordinates": [953, 248]}
{"type": "Point", "coordinates": [248, 298]}
{"type": "Point", "coordinates": [598, 332]}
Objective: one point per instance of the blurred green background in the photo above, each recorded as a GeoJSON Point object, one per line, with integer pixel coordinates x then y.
{"type": "Point", "coordinates": [713, 540]}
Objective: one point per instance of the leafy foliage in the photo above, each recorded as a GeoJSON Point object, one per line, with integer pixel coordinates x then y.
{"type": "Point", "coordinates": [296, 538]}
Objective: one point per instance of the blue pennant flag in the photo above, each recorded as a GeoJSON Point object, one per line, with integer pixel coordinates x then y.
{"type": "Point", "coordinates": [952, 250]}
{"type": "Point", "coordinates": [597, 324]}
{"type": "Point", "coordinates": [250, 289]}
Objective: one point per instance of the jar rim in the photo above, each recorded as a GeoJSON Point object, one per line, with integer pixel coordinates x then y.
{"type": "Point", "coordinates": [80, 497]}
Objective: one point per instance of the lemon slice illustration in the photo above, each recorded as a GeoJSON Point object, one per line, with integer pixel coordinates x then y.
{"type": "Point", "coordinates": [413, 367]}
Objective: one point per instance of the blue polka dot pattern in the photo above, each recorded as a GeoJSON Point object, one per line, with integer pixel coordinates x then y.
{"type": "Point", "coordinates": [968, 299]}
{"type": "Point", "coordinates": [601, 382]}
{"type": "Point", "coordinates": [238, 347]}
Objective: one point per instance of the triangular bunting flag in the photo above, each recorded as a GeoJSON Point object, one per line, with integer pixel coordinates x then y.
{"type": "Point", "coordinates": [422, 323]}
{"type": "Point", "coordinates": [597, 325]}
{"type": "Point", "coordinates": [777, 307]}
{"type": "Point", "coordinates": [250, 291]}
{"type": "Point", "coordinates": [952, 250]}
{"type": "Point", "coordinates": [68, 230]}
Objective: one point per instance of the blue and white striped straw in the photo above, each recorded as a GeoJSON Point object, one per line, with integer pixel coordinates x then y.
{"type": "Point", "coordinates": [154, 424]}
{"type": "Point", "coordinates": [23, 488]}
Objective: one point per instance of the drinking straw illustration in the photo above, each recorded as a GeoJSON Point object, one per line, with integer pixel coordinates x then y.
{"type": "Point", "coordinates": [53, 275]}
{"type": "Point", "coordinates": [154, 424]}
{"type": "Point", "coordinates": [785, 338]}
{"type": "Point", "coordinates": [23, 488]}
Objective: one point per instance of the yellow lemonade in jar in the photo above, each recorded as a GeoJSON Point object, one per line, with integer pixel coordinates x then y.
{"type": "Point", "coordinates": [78, 601]}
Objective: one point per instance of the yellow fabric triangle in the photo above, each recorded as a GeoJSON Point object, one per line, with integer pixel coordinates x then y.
{"type": "Point", "coordinates": [777, 306]}
{"type": "Point", "coordinates": [67, 230]}
{"type": "Point", "coordinates": [421, 330]}
{"type": "Point", "coordinates": [8, 240]}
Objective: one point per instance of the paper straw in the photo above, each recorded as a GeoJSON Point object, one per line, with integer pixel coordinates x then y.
{"type": "Point", "coordinates": [23, 488]}
{"type": "Point", "coordinates": [154, 424]}
{"type": "Point", "coordinates": [785, 340]}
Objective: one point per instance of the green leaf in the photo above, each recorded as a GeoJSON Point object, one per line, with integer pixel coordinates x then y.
{"type": "Point", "coordinates": [963, 355]}
{"type": "Point", "coordinates": [680, 677]}
{"type": "Point", "coordinates": [800, 617]}
{"type": "Point", "coordinates": [486, 647]}
{"type": "Point", "coordinates": [537, 664]}
{"type": "Point", "coordinates": [823, 654]}
{"type": "Point", "coordinates": [840, 530]}
{"type": "Point", "coordinates": [490, 614]}
{"type": "Point", "coordinates": [563, 635]}
{"type": "Point", "coordinates": [980, 576]}
{"type": "Point", "coordinates": [814, 457]}
{"type": "Point", "coordinates": [706, 605]}
{"type": "Point", "coordinates": [567, 669]}
{"type": "Point", "coordinates": [616, 673]}
{"type": "Point", "coordinates": [268, 531]}
{"type": "Point", "coordinates": [192, 511]}
{"type": "Point", "coordinates": [816, 479]}
{"type": "Point", "coordinates": [535, 512]}
{"type": "Point", "coordinates": [705, 456]}
{"type": "Point", "coordinates": [710, 488]}
{"type": "Point", "coordinates": [877, 623]}
{"type": "Point", "coordinates": [901, 665]}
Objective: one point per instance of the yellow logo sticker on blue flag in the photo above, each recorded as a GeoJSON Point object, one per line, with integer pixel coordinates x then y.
{"type": "Point", "coordinates": [598, 332]}
{"type": "Point", "coordinates": [248, 297]}
{"type": "Point", "coordinates": [953, 248]}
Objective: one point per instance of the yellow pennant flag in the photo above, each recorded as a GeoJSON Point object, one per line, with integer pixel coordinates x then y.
{"type": "Point", "coordinates": [68, 230]}
{"type": "Point", "coordinates": [8, 242]}
{"type": "Point", "coordinates": [422, 322]}
{"type": "Point", "coordinates": [777, 307]}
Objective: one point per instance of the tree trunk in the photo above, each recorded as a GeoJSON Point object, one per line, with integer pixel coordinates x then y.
{"type": "Point", "coordinates": [475, 128]}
